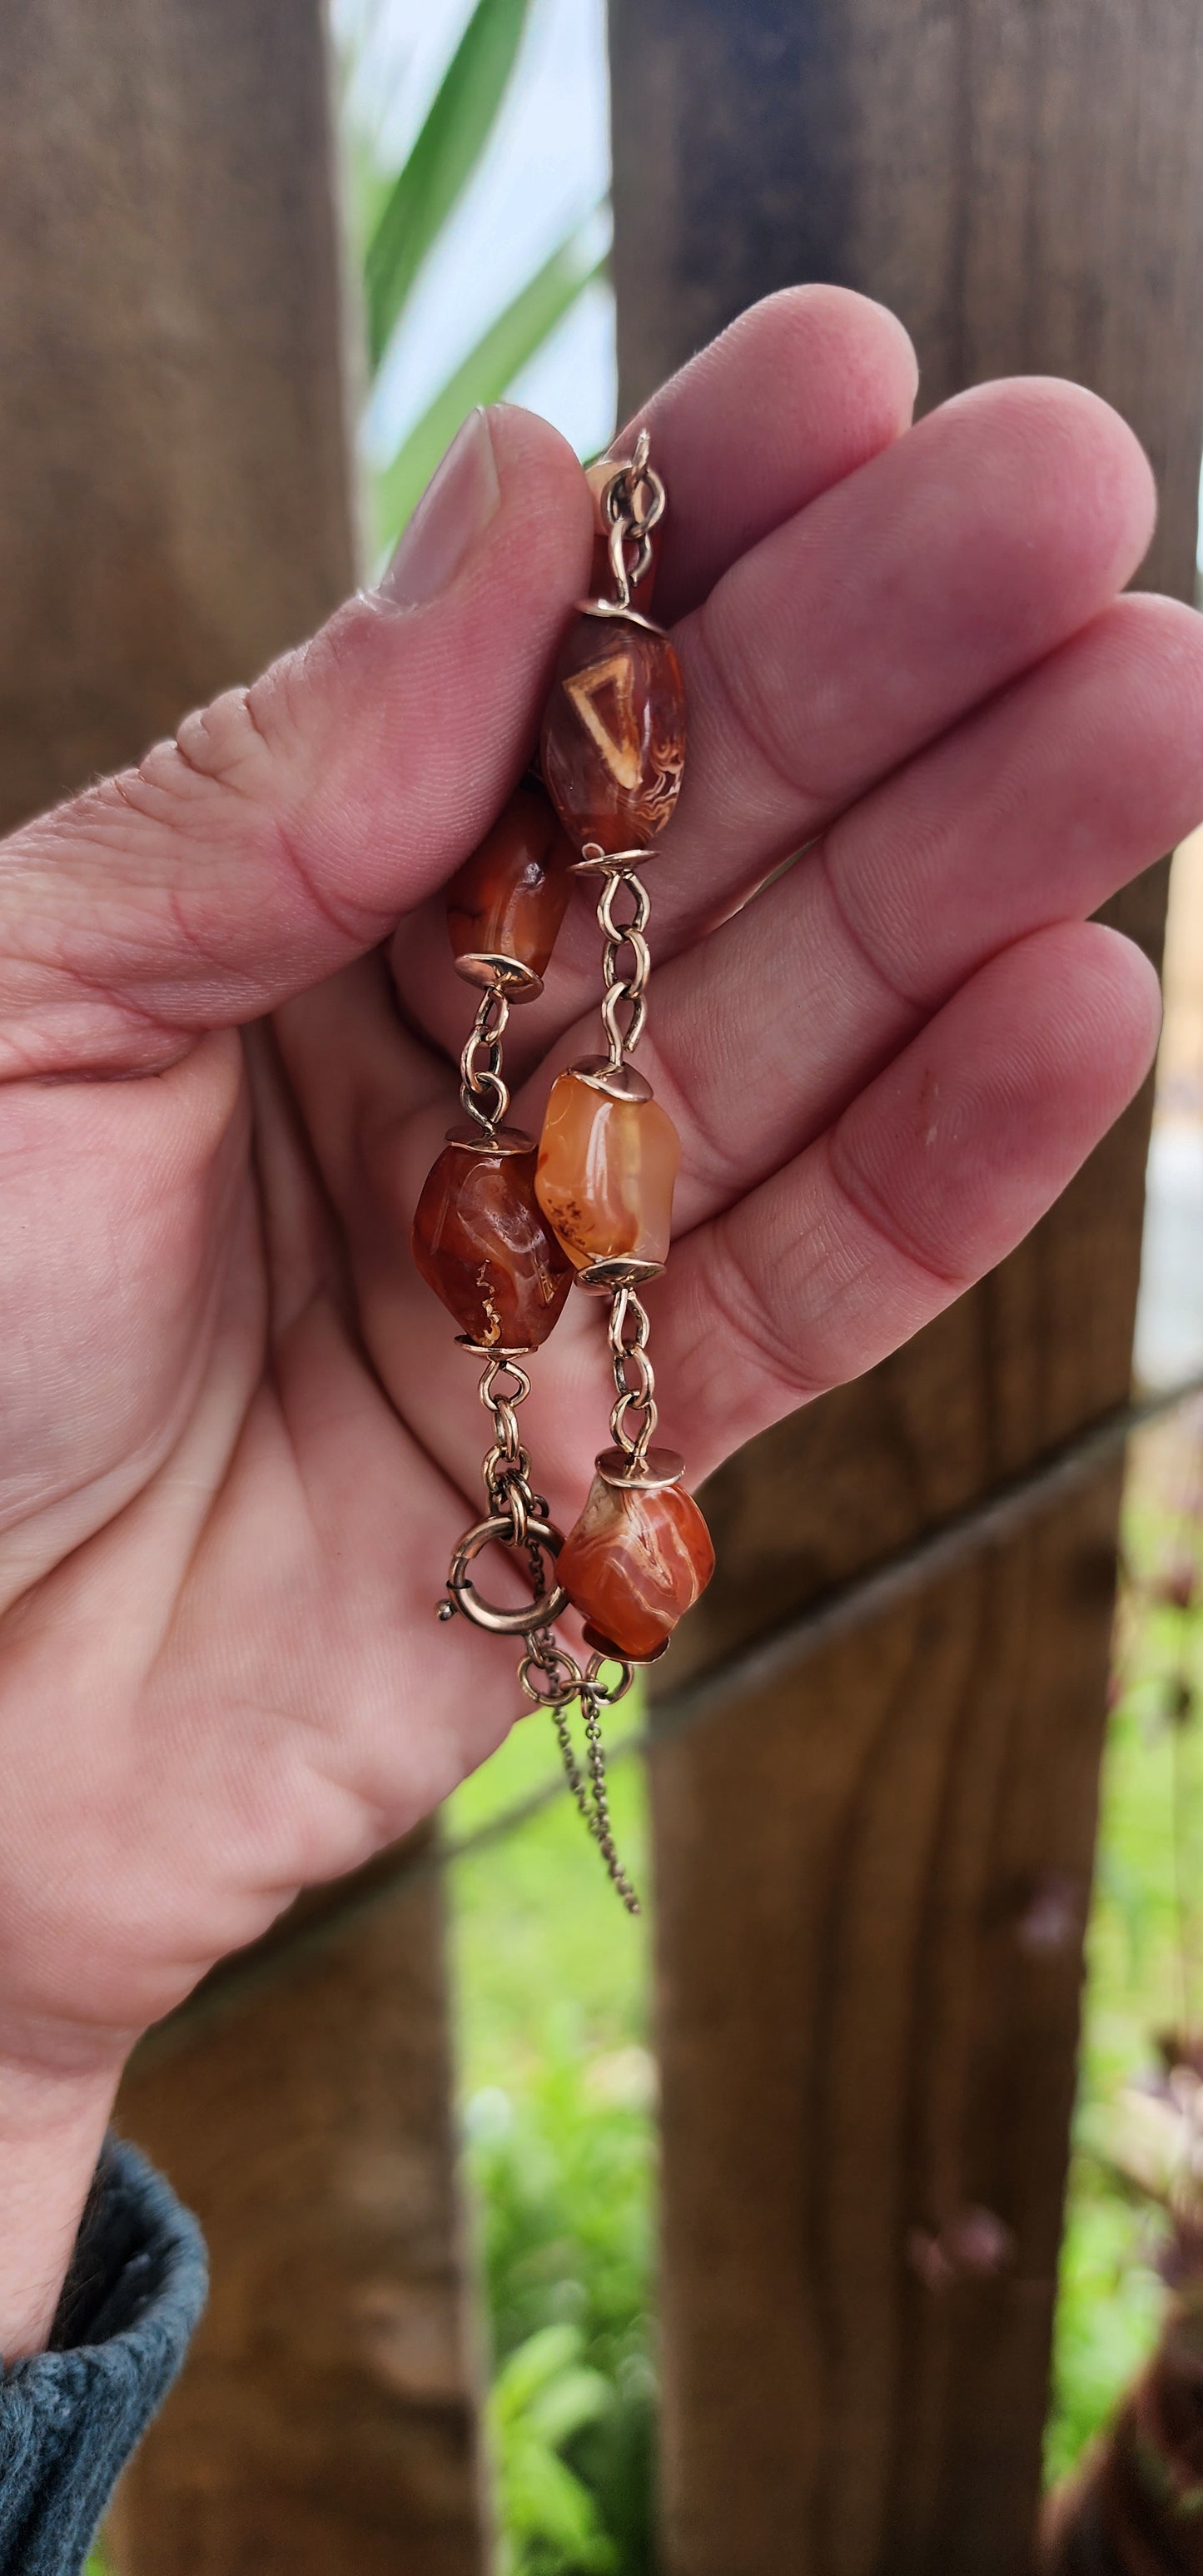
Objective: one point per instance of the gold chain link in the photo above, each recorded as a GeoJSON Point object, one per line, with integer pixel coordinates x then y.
{"type": "Point", "coordinates": [624, 984]}
{"type": "Point", "coordinates": [634, 1377]}
{"type": "Point", "coordinates": [482, 1091]}
{"type": "Point", "coordinates": [506, 1465]}
{"type": "Point", "coordinates": [633, 504]}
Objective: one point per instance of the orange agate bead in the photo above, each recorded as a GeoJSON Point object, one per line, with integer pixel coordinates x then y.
{"type": "Point", "coordinates": [481, 1242]}
{"type": "Point", "coordinates": [505, 906]}
{"type": "Point", "coordinates": [606, 1170]}
{"type": "Point", "coordinates": [613, 741]}
{"type": "Point", "coordinates": [637, 1558]}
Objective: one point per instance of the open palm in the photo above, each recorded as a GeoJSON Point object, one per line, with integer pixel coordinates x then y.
{"type": "Point", "coordinates": [239, 1438]}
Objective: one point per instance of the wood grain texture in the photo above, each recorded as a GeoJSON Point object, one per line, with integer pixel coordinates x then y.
{"type": "Point", "coordinates": [873, 1878]}
{"type": "Point", "coordinates": [324, 2420]}
{"type": "Point", "coordinates": [176, 498]}
{"type": "Point", "coordinates": [176, 508]}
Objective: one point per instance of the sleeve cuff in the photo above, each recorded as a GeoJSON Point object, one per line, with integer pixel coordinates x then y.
{"type": "Point", "coordinates": [70, 2416]}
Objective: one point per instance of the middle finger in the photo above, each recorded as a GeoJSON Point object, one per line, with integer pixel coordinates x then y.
{"type": "Point", "coordinates": [1031, 812]}
{"type": "Point", "coordinates": [860, 630]}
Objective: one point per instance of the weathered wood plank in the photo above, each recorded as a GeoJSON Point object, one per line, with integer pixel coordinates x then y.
{"type": "Point", "coordinates": [176, 494]}
{"type": "Point", "coordinates": [324, 2420]}
{"type": "Point", "coordinates": [175, 508]}
{"type": "Point", "coordinates": [872, 1879]}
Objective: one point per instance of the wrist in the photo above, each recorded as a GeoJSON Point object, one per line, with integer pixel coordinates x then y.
{"type": "Point", "coordinates": [52, 2127]}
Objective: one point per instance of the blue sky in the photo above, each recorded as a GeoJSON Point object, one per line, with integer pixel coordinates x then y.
{"type": "Point", "coordinates": [547, 166]}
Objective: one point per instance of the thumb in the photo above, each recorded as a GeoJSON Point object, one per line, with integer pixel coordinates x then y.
{"type": "Point", "coordinates": [289, 825]}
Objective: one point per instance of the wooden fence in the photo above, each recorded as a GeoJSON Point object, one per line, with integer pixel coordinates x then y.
{"type": "Point", "coordinates": [863, 2040]}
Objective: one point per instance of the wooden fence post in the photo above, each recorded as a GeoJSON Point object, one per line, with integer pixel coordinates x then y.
{"type": "Point", "coordinates": [325, 2418]}
{"type": "Point", "coordinates": [175, 508]}
{"type": "Point", "coordinates": [873, 1876]}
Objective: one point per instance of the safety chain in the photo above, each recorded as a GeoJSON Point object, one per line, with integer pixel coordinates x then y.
{"type": "Point", "coordinates": [562, 1683]}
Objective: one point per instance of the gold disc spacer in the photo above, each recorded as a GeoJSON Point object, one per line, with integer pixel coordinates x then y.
{"type": "Point", "coordinates": [596, 862]}
{"type": "Point", "coordinates": [613, 608]}
{"type": "Point", "coordinates": [497, 974]}
{"type": "Point", "coordinates": [621, 1081]}
{"type": "Point", "coordinates": [496, 1350]}
{"type": "Point", "coordinates": [490, 1140]}
{"type": "Point", "coordinates": [624, 1270]}
{"type": "Point", "coordinates": [612, 1654]}
{"type": "Point", "coordinates": [658, 1469]}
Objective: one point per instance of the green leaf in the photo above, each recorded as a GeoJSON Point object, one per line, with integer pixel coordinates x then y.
{"type": "Point", "coordinates": [505, 348]}
{"type": "Point", "coordinates": [541, 2396]}
{"type": "Point", "coordinates": [547, 2509]}
{"type": "Point", "coordinates": [530, 2369]}
{"type": "Point", "coordinates": [441, 163]}
{"type": "Point", "coordinates": [578, 2397]}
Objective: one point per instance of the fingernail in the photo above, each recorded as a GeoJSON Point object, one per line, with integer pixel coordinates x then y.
{"type": "Point", "coordinates": [456, 505]}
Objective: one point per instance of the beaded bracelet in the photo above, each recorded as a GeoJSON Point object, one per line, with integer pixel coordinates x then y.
{"type": "Point", "coordinates": [503, 1228]}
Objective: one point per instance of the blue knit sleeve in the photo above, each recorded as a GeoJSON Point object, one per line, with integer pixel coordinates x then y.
{"type": "Point", "coordinates": [70, 2416]}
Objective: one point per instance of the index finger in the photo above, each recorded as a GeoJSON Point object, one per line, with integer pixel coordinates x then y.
{"type": "Point", "coordinates": [794, 395]}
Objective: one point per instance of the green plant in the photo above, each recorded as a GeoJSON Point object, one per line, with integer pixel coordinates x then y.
{"type": "Point", "coordinates": [560, 2149]}
{"type": "Point", "coordinates": [1142, 1945]}
{"type": "Point", "coordinates": [398, 220]}
{"type": "Point", "coordinates": [541, 2397]}
{"type": "Point", "coordinates": [499, 355]}
{"type": "Point", "coordinates": [428, 188]}
{"type": "Point", "coordinates": [562, 2170]}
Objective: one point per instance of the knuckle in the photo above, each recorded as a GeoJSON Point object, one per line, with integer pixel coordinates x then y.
{"type": "Point", "coordinates": [219, 747]}
{"type": "Point", "coordinates": [224, 742]}
{"type": "Point", "coordinates": [764, 1342]}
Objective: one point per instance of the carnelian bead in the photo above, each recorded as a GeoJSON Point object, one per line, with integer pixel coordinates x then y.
{"type": "Point", "coordinates": [505, 906]}
{"type": "Point", "coordinates": [613, 740]}
{"type": "Point", "coordinates": [481, 1242]}
{"type": "Point", "coordinates": [606, 1172]}
{"type": "Point", "coordinates": [635, 1560]}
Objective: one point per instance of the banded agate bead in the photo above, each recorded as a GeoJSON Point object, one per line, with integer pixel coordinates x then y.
{"type": "Point", "coordinates": [506, 904]}
{"type": "Point", "coordinates": [613, 741]}
{"type": "Point", "coordinates": [606, 1171]}
{"type": "Point", "coordinates": [637, 1558]}
{"type": "Point", "coordinates": [481, 1241]}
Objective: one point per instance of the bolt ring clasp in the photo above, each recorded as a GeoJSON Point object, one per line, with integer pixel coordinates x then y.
{"type": "Point", "coordinates": [463, 1595]}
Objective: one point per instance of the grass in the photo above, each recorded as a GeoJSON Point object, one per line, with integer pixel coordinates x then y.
{"type": "Point", "coordinates": [1142, 1952]}
{"type": "Point", "coordinates": [560, 2137]}
{"type": "Point", "coordinates": [558, 2109]}
{"type": "Point", "coordinates": [557, 2084]}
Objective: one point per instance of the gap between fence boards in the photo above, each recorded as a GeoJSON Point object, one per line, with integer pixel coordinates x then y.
{"type": "Point", "coordinates": [986, 1523]}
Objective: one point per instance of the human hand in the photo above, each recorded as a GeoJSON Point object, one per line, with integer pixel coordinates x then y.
{"type": "Point", "coordinates": [239, 1439]}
